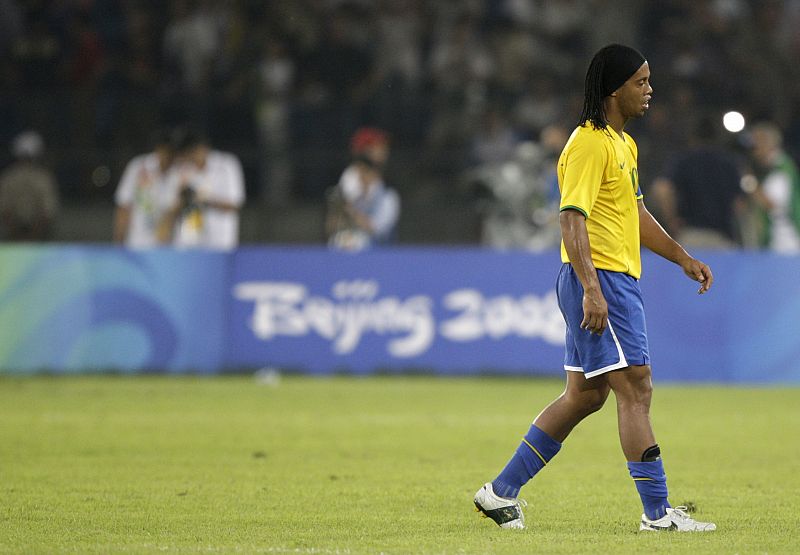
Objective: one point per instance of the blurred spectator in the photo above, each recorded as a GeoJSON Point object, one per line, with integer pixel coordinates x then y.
{"type": "Point", "coordinates": [399, 103]}
{"type": "Point", "coordinates": [460, 66]}
{"type": "Point", "coordinates": [775, 190]}
{"type": "Point", "coordinates": [205, 192]}
{"type": "Point", "coordinates": [191, 41]}
{"type": "Point", "coordinates": [141, 196]}
{"type": "Point", "coordinates": [520, 194]}
{"type": "Point", "coordinates": [39, 50]}
{"type": "Point", "coordinates": [399, 43]}
{"type": "Point", "coordinates": [495, 141]}
{"type": "Point", "coordinates": [695, 198]}
{"type": "Point", "coordinates": [28, 192]}
{"type": "Point", "coordinates": [84, 53]}
{"type": "Point", "coordinates": [541, 104]}
{"type": "Point", "coordinates": [344, 66]}
{"type": "Point", "coordinates": [94, 76]}
{"type": "Point", "coordinates": [10, 24]}
{"type": "Point", "coordinates": [275, 78]}
{"type": "Point", "coordinates": [363, 210]}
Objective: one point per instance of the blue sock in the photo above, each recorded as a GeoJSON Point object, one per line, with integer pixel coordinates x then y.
{"type": "Point", "coordinates": [651, 483]}
{"type": "Point", "coordinates": [535, 451]}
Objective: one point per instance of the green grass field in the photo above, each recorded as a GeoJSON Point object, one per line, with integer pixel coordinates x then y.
{"type": "Point", "coordinates": [347, 465]}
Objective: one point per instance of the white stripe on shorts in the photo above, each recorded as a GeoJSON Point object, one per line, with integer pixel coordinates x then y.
{"type": "Point", "coordinates": [616, 366]}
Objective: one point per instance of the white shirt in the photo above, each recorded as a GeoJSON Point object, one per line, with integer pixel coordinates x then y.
{"type": "Point", "coordinates": [777, 187]}
{"type": "Point", "coordinates": [379, 203]}
{"type": "Point", "coordinates": [220, 180]}
{"type": "Point", "coordinates": [143, 189]}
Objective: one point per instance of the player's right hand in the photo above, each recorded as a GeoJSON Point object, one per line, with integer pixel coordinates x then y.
{"type": "Point", "coordinates": [595, 313]}
{"type": "Point", "coordinates": [700, 272]}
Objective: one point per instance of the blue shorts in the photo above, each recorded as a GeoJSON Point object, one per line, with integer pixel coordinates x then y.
{"type": "Point", "coordinates": [623, 343]}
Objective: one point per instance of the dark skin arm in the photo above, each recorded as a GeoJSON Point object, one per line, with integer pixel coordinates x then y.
{"type": "Point", "coordinates": [653, 236]}
{"type": "Point", "coordinates": [657, 240]}
{"type": "Point", "coordinates": [576, 242]}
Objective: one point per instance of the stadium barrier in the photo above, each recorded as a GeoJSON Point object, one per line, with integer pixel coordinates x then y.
{"type": "Point", "coordinates": [69, 308]}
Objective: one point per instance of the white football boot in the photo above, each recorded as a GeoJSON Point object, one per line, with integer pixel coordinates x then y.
{"type": "Point", "coordinates": [676, 519]}
{"type": "Point", "coordinates": [507, 513]}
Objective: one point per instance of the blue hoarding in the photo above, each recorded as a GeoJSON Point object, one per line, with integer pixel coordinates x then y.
{"type": "Point", "coordinates": [456, 311]}
{"type": "Point", "coordinates": [87, 308]}
{"type": "Point", "coordinates": [451, 311]}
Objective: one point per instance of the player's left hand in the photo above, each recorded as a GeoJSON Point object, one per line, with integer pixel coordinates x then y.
{"type": "Point", "coordinates": [699, 272]}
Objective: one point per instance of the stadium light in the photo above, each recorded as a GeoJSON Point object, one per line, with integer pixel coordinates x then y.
{"type": "Point", "coordinates": [733, 121]}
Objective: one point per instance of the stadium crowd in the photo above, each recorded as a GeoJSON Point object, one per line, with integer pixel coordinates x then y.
{"type": "Point", "coordinates": [457, 84]}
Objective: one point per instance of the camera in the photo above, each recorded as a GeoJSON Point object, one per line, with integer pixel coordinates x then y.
{"type": "Point", "coordinates": [188, 198]}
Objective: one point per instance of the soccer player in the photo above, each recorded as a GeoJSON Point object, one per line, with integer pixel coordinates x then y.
{"type": "Point", "coordinates": [603, 221]}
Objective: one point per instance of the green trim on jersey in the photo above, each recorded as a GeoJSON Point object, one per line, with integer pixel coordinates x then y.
{"type": "Point", "coordinates": [581, 210]}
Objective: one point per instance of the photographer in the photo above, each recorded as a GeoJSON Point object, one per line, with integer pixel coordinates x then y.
{"type": "Point", "coordinates": [140, 195]}
{"type": "Point", "coordinates": [362, 210]}
{"type": "Point", "coordinates": [206, 193]}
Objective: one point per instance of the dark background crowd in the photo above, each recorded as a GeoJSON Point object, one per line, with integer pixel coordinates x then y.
{"type": "Point", "coordinates": [457, 84]}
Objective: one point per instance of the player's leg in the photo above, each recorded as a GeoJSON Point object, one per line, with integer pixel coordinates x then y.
{"type": "Point", "coordinates": [583, 353]}
{"type": "Point", "coordinates": [631, 381]}
{"type": "Point", "coordinates": [633, 389]}
{"type": "Point", "coordinates": [581, 397]}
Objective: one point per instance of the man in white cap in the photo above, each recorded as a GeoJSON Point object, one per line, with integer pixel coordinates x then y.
{"type": "Point", "coordinates": [28, 192]}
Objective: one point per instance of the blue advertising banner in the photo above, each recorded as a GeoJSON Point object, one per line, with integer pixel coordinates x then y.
{"type": "Point", "coordinates": [455, 311]}
{"type": "Point", "coordinates": [449, 311]}
{"type": "Point", "coordinates": [472, 310]}
{"type": "Point", "coordinates": [89, 308]}
{"type": "Point", "coordinates": [744, 330]}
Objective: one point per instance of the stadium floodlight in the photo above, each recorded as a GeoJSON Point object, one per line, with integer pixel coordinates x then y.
{"type": "Point", "coordinates": [733, 121]}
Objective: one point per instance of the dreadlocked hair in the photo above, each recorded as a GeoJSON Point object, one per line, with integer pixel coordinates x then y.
{"type": "Point", "coordinates": [593, 109]}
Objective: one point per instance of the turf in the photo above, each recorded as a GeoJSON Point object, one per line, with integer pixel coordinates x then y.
{"type": "Point", "coordinates": [348, 465]}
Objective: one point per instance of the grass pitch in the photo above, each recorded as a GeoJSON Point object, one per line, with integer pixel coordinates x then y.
{"type": "Point", "coordinates": [346, 465]}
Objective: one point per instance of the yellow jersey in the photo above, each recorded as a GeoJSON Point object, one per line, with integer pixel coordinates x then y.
{"type": "Point", "coordinates": [597, 175]}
